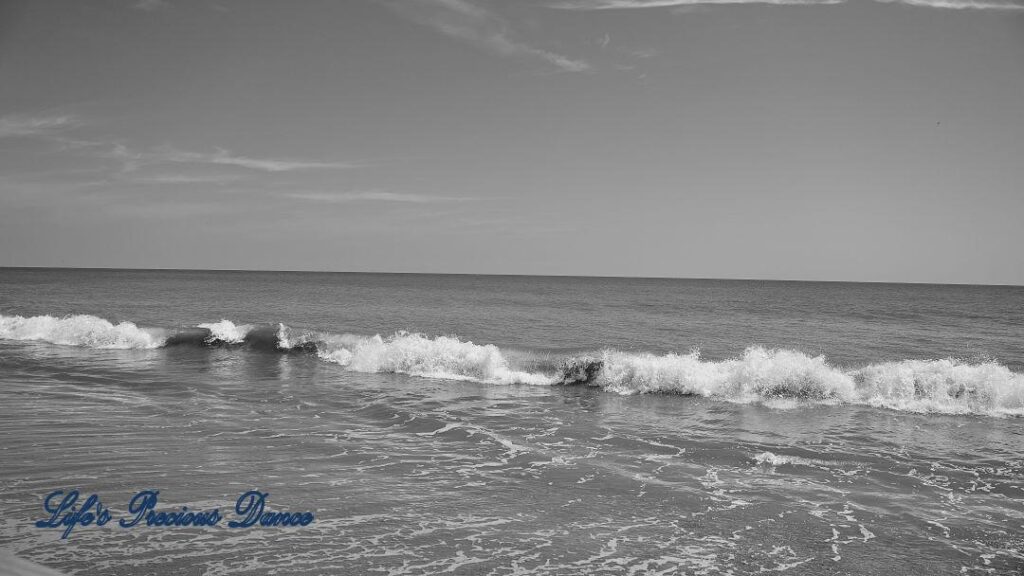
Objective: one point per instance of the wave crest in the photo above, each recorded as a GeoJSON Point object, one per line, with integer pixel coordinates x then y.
{"type": "Point", "coordinates": [438, 357]}
{"type": "Point", "coordinates": [757, 375]}
{"type": "Point", "coordinates": [226, 332]}
{"type": "Point", "coordinates": [949, 386]}
{"type": "Point", "coordinates": [79, 330]}
{"type": "Point", "coordinates": [776, 377]}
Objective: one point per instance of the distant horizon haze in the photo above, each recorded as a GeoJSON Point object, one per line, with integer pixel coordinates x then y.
{"type": "Point", "coordinates": [567, 276]}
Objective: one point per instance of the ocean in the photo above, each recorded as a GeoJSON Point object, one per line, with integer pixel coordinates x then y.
{"type": "Point", "coordinates": [515, 425]}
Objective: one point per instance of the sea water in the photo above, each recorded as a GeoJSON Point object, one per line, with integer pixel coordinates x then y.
{"type": "Point", "coordinates": [508, 424]}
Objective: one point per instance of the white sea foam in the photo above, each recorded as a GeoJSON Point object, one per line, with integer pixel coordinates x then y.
{"type": "Point", "coordinates": [286, 340]}
{"type": "Point", "coordinates": [776, 378]}
{"type": "Point", "coordinates": [772, 459]}
{"type": "Point", "coordinates": [759, 374]}
{"type": "Point", "coordinates": [418, 355]}
{"type": "Point", "coordinates": [946, 386]}
{"type": "Point", "coordinates": [292, 339]}
{"type": "Point", "coordinates": [79, 330]}
{"type": "Point", "coordinates": [227, 332]}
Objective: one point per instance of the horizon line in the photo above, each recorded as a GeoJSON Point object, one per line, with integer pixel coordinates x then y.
{"type": "Point", "coordinates": [702, 278]}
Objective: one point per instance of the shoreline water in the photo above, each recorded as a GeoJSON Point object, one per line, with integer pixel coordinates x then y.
{"type": "Point", "coordinates": [412, 463]}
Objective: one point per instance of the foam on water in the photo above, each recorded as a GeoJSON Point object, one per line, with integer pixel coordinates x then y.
{"type": "Point", "coordinates": [226, 332]}
{"type": "Point", "coordinates": [945, 386]}
{"type": "Point", "coordinates": [79, 330]}
{"type": "Point", "coordinates": [773, 460]}
{"type": "Point", "coordinates": [439, 357]}
{"type": "Point", "coordinates": [777, 378]}
{"type": "Point", "coordinates": [758, 374]}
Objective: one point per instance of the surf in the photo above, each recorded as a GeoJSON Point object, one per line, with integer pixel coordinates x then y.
{"type": "Point", "coordinates": [758, 375]}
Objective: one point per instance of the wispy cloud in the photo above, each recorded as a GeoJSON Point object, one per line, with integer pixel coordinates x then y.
{"type": "Point", "coordinates": [185, 178]}
{"type": "Point", "coordinates": [133, 159]}
{"type": "Point", "coordinates": [226, 158]}
{"type": "Point", "coordinates": [13, 126]}
{"type": "Point", "coordinates": [164, 165]}
{"type": "Point", "coordinates": [371, 196]}
{"type": "Point", "coordinates": [959, 4]}
{"type": "Point", "coordinates": [472, 23]}
{"type": "Point", "coordinates": [1007, 5]}
{"type": "Point", "coordinates": [634, 4]}
{"type": "Point", "coordinates": [151, 5]}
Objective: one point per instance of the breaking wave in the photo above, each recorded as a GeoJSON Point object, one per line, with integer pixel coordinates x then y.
{"type": "Point", "coordinates": [946, 386]}
{"type": "Point", "coordinates": [226, 332]}
{"type": "Point", "coordinates": [79, 330]}
{"type": "Point", "coordinates": [440, 357]}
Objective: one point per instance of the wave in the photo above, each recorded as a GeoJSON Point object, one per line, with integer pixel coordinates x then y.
{"type": "Point", "coordinates": [79, 330]}
{"type": "Point", "coordinates": [759, 375]}
{"type": "Point", "coordinates": [440, 357]}
{"type": "Point", "coordinates": [947, 386]}
{"type": "Point", "coordinates": [226, 332]}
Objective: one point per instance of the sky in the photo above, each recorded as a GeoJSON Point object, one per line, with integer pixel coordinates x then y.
{"type": "Point", "coordinates": [860, 140]}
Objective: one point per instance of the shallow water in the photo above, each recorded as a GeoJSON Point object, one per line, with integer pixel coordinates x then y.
{"type": "Point", "coordinates": [412, 474]}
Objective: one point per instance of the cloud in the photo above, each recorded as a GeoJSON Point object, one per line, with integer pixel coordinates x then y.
{"type": "Point", "coordinates": [1007, 5]}
{"type": "Point", "coordinates": [371, 196]}
{"type": "Point", "coordinates": [151, 5]}
{"type": "Point", "coordinates": [634, 4]}
{"type": "Point", "coordinates": [185, 179]}
{"type": "Point", "coordinates": [959, 4]}
{"type": "Point", "coordinates": [14, 126]}
{"type": "Point", "coordinates": [225, 158]}
{"type": "Point", "coordinates": [132, 160]}
{"type": "Point", "coordinates": [472, 23]}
